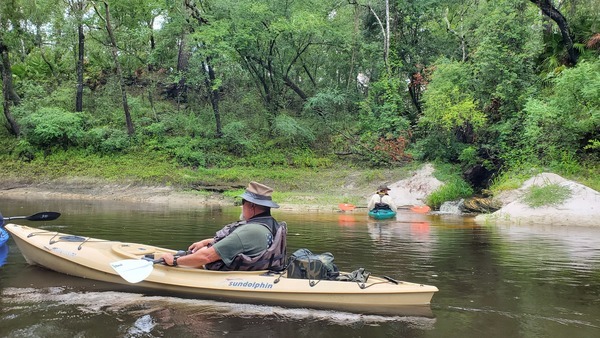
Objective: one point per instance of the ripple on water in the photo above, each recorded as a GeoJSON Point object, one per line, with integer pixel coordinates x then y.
{"type": "Point", "coordinates": [149, 315]}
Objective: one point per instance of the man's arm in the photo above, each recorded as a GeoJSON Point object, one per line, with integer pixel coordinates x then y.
{"type": "Point", "coordinates": [372, 201]}
{"type": "Point", "coordinates": [197, 259]}
{"type": "Point", "coordinates": [199, 245]}
{"type": "Point", "coordinates": [391, 203]}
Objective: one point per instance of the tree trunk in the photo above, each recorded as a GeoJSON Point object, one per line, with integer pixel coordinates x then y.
{"type": "Point", "coordinates": [215, 96]}
{"type": "Point", "coordinates": [288, 82]}
{"type": "Point", "coordinates": [8, 91]}
{"type": "Point", "coordinates": [115, 54]}
{"type": "Point", "coordinates": [39, 44]}
{"type": "Point", "coordinates": [554, 14]}
{"type": "Point", "coordinates": [79, 95]}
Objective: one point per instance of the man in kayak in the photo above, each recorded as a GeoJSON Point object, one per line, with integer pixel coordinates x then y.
{"type": "Point", "coordinates": [257, 242]}
{"type": "Point", "coordinates": [381, 199]}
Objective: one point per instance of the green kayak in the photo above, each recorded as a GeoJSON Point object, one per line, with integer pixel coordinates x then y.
{"type": "Point", "coordinates": [382, 213]}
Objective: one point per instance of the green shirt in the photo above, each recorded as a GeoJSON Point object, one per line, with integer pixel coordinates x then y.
{"type": "Point", "coordinates": [250, 239]}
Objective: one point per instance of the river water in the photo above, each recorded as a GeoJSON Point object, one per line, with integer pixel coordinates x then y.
{"type": "Point", "coordinates": [494, 281]}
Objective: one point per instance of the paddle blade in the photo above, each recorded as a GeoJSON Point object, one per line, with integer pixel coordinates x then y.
{"type": "Point", "coordinates": [44, 216]}
{"type": "Point", "coordinates": [422, 209]}
{"type": "Point", "coordinates": [346, 207]}
{"type": "Point", "coordinates": [40, 216]}
{"type": "Point", "coordinates": [133, 270]}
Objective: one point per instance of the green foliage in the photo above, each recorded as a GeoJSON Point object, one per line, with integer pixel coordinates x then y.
{"type": "Point", "coordinates": [454, 187]}
{"type": "Point", "coordinates": [566, 164]}
{"type": "Point", "coordinates": [560, 125]}
{"type": "Point", "coordinates": [104, 140]}
{"type": "Point", "coordinates": [514, 177]}
{"type": "Point", "coordinates": [451, 119]}
{"type": "Point", "coordinates": [307, 159]}
{"type": "Point", "coordinates": [452, 190]}
{"type": "Point", "coordinates": [468, 157]}
{"type": "Point", "coordinates": [186, 151]}
{"type": "Point", "coordinates": [593, 144]}
{"type": "Point", "coordinates": [24, 150]}
{"type": "Point", "coordinates": [54, 127]}
{"type": "Point", "coordinates": [267, 159]}
{"type": "Point", "coordinates": [546, 195]}
{"type": "Point", "coordinates": [237, 139]}
{"type": "Point", "coordinates": [381, 120]}
{"type": "Point", "coordinates": [327, 103]}
{"type": "Point", "coordinates": [290, 132]}
{"type": "Point", "coordinates": [503, 59]}
{"type": "Point", "coordinates": [467, 112]}
{"type": "Point", "coordinates": [381, 113]}
{"type": "Point", "coordinates": [448, 105]}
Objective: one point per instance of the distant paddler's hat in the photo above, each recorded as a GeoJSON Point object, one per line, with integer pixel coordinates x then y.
{"type": "Point", "coordinates": [259, 194]}
{"type": "Point", "coordinates": [383, 187]}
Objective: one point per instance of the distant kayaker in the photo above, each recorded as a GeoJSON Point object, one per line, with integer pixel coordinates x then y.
{"type": "Point", "coordinates": [381, 199]}
{"type": "Point", "coordinates": [257, 242]}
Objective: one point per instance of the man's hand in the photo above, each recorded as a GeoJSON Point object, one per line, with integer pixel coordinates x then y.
{"type": "Point", "coordinates": [199, 245]}
{"type": "Point", "coordinates": [168, 258]}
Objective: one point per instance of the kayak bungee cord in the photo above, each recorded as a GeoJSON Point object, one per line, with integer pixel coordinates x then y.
{"type": "Point", "coordinates": [69, 238]}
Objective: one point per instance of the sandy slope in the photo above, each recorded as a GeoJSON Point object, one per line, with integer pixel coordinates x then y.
{"type": "Point", "coordinates": [413, 190]}
{"type": "Point", "coordinates": [581, 209]}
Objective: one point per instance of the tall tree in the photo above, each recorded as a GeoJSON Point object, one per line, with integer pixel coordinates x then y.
{"type": "Point", "coordinates": [8, 13]}
{"type": "Point", "coordinates": [77, 9]}
{"type": "Point", "coordinates": [8, 91]}
{"type": "Point", "coordinates": [210, 77]}
{"type": "Point", "coordinates": [553, 13]}
{"type": "Point", "coordinates": [115, 54]}
{"type": "Point", "coordinates": [277, 43]}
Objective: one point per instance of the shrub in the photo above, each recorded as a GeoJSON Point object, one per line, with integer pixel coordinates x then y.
{"type": "Point", "coordinates": [290, 132]}
{"type": "Point", "coordinates": [567, 119]}
{"type": "Point", "coordinates": [105, 140]}
{"type": "Point", "coordinates": [186, 151]}
{"type": "Point", "coordinates": [451, 191]}
{"type": "Point", "coordinates": [53, 127]}
{"type": "Point", "coordinates": [237, 139]}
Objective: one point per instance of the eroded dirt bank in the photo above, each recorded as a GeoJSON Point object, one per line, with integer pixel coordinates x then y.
{"type": "Point", "coordinates": [581, 209]}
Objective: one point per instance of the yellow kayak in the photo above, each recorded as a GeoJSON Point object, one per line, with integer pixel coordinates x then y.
{"type": "Point", "coordinates": [125, 263]}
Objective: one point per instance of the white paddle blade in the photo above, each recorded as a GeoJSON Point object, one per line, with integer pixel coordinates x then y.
{"type": "Point", "coordinates": [133, 270]}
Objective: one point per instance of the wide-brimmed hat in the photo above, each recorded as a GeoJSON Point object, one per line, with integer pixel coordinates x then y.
{"type": "Point", "coordinates": [383, 187]}
{"type": "Point", "coordinates": [259, 194]}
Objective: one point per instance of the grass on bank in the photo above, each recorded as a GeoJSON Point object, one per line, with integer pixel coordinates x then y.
{"type": "Point", "coordinates": [337, 183]}
{"type": "Point", "coordinates": [546, 195]}
{"type": "Point", "coordinates": [588, 175]}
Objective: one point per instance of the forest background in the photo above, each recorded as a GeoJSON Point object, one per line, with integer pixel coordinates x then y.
{"type": "Point", "coordinates": [300, 94]}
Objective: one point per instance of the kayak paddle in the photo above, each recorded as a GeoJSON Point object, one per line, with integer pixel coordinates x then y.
{"type": "Point", "coordinates": [421, 209]}
{"type": "Point", "coordinates": [40, 216]}
{"type": "Point", "coordinates": [348, 207]}
{"type": "Point", "coordinates": [136, 270]}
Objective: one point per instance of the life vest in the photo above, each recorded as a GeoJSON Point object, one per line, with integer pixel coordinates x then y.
{"type": "Point", "coordinates": [381, 205]}
{"type": "Point", "coordinates": [273, 258]}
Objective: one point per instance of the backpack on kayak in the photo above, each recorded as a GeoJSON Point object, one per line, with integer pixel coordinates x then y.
{"type": "Point", "coordinates": [303, 264]}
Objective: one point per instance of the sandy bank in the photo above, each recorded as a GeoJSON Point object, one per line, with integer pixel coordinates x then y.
{"type": "Point", "coordinates": [582, 208]}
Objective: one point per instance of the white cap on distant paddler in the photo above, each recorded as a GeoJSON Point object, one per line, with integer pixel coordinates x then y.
{"type": "Point", "coordinates": [260, 194]}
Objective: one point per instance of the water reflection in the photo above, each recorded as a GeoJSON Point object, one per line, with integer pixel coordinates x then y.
{"type": "Point", "coordinates": [3, 253]}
